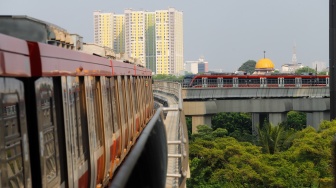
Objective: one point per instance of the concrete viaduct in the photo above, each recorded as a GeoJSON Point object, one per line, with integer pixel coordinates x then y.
{"type": "Point", "coordinates": [202, 103]}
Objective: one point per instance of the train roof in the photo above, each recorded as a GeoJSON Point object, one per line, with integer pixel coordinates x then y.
{"type": "Point", "coordinates": [25, 59]}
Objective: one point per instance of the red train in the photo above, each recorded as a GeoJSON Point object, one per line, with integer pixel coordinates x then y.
{"type": "Point", "coordinates": [232, 80]}
{"type": "Point", "coordinates": [67, 119]}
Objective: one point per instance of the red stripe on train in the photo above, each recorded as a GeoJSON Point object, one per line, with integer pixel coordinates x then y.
{"type": "Point", "coordinates": [83, 181]}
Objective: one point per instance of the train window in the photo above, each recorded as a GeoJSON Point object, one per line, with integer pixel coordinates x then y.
{"type": "Point", "coordinates": [290, 81]}
{"type": "Point", "coordinates": [47, 129]}
{"type": "Point", "coordinates": [12, 143]}
{"type": "Point", "coordinates": [227, 82]}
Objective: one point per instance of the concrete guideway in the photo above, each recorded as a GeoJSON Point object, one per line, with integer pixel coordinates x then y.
{"type": "Point", "coordinates": [176, 173]}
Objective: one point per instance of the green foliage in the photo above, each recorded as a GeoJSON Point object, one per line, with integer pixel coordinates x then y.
{"type": "Point", "coordinates": [323, 73]}
{"type": "Point", "coordinates": [167, 77]}
{"type": "Point", "coordinates": [305, 69]}
{"type": "Point", "coordinates": [238, 125]}
{"type": "Point", "coordinates": [189, 126]}
{"type": "Point", "coordinates": [248, 66]}
{"type": "Point", "coordinates": [273, 138]}
{"type": "Point", "coordinates": [218, 160]}
{"type": "Point", "coordinates": [295, 120]}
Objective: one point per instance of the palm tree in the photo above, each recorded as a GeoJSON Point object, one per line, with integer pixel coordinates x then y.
{"type": "Point", "coordinates": [273, 138]}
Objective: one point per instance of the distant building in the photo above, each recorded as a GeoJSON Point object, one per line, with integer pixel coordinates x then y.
{"type": "Point", "coordinates": [199, 66]}
{"type": "Point", "coordinates": [103, 29]}
{"type": "Point", "coordinates": [119, 33]}
{"type": "Point", "coordinates": [290, 68]}
{"type": "Point", "coordinates": [264, 66]}
{"type": "Point", "coordinates": [293, 66]}
{"type": "Point", "coordinates": [154, 38]}
{"type": "Point", "coordinates": [319, 65]}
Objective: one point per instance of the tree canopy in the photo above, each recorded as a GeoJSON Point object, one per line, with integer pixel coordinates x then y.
{"type": "Point", "coordinates": [218, 160]}
{"type": "Point", "coordinates": [168, 77]}
{"type": "Point", "coordinates": [305, 70]}
{"type": "Point", "coordinates": [248, 66]}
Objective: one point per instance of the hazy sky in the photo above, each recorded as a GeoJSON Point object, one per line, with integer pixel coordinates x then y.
{"type": "Point", "coordinates": [226, 32]}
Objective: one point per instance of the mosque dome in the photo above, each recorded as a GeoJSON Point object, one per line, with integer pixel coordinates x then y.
{"type": "Point", "coordinates": [264, 63]}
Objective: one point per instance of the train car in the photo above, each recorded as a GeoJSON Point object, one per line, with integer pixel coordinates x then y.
{"type": "Point", "coordinates": [232, 80]}
{"type": "Point", "coordinates": [67, 119]}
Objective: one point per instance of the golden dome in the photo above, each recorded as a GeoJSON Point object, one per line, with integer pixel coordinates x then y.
{"type": "Point", "coordinates": [264, 63]}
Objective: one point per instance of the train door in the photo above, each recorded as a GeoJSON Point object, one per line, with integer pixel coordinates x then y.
{"type": "Point", "coordinates": [122, 110]}
{"type": "Point", "coordinates": [151, 97]}
{"type": "Point", "coordinates": [220, 82]}
{"type": "Point", "coordinates": [128, 118]}
{"type": "Point", "coordinates": [108, 126]}
{"type": "Point", "coordinates": [139, 100]}
{"type": "Point", "coordinates": [327, 82]}
{"type": "Point", "coordinates": [147, 97]}
{"type": "Point", "coordinates": [14, 147]}
{"type": "Point", "coordinates": [141, 96]}
{"type": "Point", "coordinates": [235, 82]}
{"type": "Point", "coordinates": [96, 137]}
{"type": "Point", "coordinates": [298, 82]}
{"type": "Point", "coordinates": [132, 104]}
{"type": "Point", "coordinates": [143, 101]}
{"type": "Point", "coordinates": [116, 153]}
{"type": "Point", "coordinates": [263, 82]}
{"type": "Point", "coordinates": [204, 82]}
{"type": "Point", "coordinates": [75, 130]}
{"type": "Point", "coordinates": [281, 82]}
{"type": "Point", "coordinates": [135, 105]}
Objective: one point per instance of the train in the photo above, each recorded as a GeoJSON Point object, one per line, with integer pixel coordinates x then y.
{"type": "Point", "coordinates": [245, 81]}
{"type": "Point", "coordinates": [67, 119]}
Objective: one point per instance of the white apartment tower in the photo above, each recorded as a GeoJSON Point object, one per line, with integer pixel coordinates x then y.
{"type": "Point", "coordinates": [103, 28]}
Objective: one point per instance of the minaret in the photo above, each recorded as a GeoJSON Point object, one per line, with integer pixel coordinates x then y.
{"type": "Point", "coordinates": [294, 60]}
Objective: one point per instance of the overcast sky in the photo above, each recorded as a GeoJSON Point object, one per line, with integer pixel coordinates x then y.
{"type": "Point", "coordinates": [226, 32]}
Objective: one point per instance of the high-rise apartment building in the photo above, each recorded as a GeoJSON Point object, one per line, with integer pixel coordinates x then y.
{"type": "Point", "coordinates": [119, 33]}
{"type": "Point", "coordinates": [103, 28]}
{"type": "Point", "coordinates": [155, 38]}
{"type": "Point", "coordinates": [150, 41]}
{"type": "Point", "coordinates": [169, 41]}
{"type": "Point", "coordinates": [135, 34]}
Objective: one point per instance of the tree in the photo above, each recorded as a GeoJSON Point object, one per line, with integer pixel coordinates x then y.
{"type": "Point", "coordinates": [168, 77]}
{"type": "Point", "coordinates": [295, 120]}
{"type": "Point", "coordinates": [323, 73]}
{"type": "Point", "coordinates": [248, 66]}
{"type": "Point", "coordinates": [217, 160]}
{"type": "Point", "coordinates": [305, 69]}
{"type": "Point", "coordinates": [273, 138]}
{"type": "Point", "coordinates": [238, 125]}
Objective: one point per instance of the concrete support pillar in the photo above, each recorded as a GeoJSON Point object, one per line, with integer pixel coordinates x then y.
{"type": "Point", "coordinates": [315, 118]}
{"type": "Point", "coordinates": [200, 120]}
{"type": "Point", "coordinates": [276, 118]}
{"type": "Point", "coordinates": [255, 123]}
